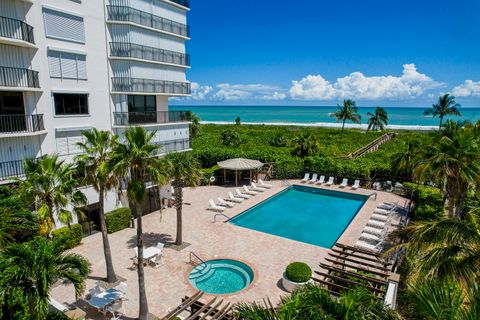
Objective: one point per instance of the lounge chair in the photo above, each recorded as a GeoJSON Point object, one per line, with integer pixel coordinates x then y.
{"type": "Point", "coordinates": [387, 205]}
{"type": "Point", "coordinates": [306, 177]}
{"type": "Point", "coordinates": [376, 223]}
{"type": "Point", "coordinates": [321, 180]}
{"type": "Point", "coordinates": [214, 207]}
{"type": "Point", "coordinates": [372, 230]}
{"type": "Point", "coordinates": [242, 195]}
{"type": "Point", "coordinates": [232, 198]}
{"type": "Point", "coordinates": [330, 181]}
{"type": "Point", "coordinates": [263, 184]}
{"type": "Point", "coordinates": [314, 178]}
{"type": "Point", "coordinates": [369, 246]}
{"type": "Point", "coordinates": [254, 187]}
{"type": "Point", "coordinates": [383, 212]}
{"type": "Point", "coordinates": [224, 203]}
{"type": "Point", "coordinates": [248, 191]}
{"type": "Point", "coordinates": [356, 185]}
{"type": "Point", "coordinates": [378, 217]}
{"type": "Point", "coordinates": [344, 183]}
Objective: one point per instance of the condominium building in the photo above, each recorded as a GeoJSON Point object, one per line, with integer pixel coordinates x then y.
{"type": "Point", "coordinates": [70, 65]}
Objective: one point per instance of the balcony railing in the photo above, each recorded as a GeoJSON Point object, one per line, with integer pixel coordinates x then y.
{"type": "Point", "coordinates": [132, 118]}
{"type": "Point", "coordinates": [183, 3]}
{"type": "Point", "coordinates": [16, 29]}
{"type": "Point", "coordinates": [18, 77]}
{"type": "Point", "coordinates": [131, 50]}
{"type": "Point", "coordinates": [121, 84]}
{"type": "Point", "coordinates": [11, 169]}
{"type": "Point", "coordinates": [18, 123]}
{"type": "Point", "coordinates": [128, 14]}
{"type": "Point", "coordinates": [174, 145]}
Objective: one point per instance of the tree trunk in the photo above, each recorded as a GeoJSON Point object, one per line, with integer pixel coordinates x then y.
{"type": "Point", "coordinates": [343, 125]}
{"type": "Point", "coordinates": [440, 125]}
{"type": "Point", "coordinates": [111, 276]}
{"type": "Point", "coordinates": [142, 296]}
{"type": "Point", "coordinates": [178, 205]}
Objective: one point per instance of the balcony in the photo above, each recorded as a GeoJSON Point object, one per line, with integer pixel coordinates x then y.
{"type": "Point", "coordinates": [12, 169]}
{"type": "Point", "coordinates": [126, 14]}
{"type": "Point", "coordinates": [136, 85]}
{"type": "Point", "coordinates": [183, 3]}
{"type": "Point", "coordinates": [154, 117]}
{"type": "Point", "coordinates": [19, 78]}
{"type": "Point", "coordinates": [136, 51]}
{"type": "Point", "coordinates": [174, 145]}
{"type": "Point", "coordinates": [16, 32]}
{"type": "Point", "coordinates": [15, 124]}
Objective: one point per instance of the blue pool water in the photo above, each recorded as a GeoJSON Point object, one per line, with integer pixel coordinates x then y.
{"type": "Point", "coordinates": [221, 276]}
{"type": "Point", "coordinates": [310, 215]}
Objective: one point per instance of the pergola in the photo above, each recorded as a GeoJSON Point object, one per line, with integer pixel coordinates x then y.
{"type": "Point", "coordinates": [239, 164]}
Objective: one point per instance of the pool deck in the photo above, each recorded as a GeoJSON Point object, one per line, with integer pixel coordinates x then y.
{"type": "Point", "coordinates": [268, 255]}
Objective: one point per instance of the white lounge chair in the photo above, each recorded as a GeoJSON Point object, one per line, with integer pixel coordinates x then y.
{"type": "Point", "coordinates": [330, 181]}
{"type": "Point", "coordinates": [378, 217]}
{"type": "Point", "coordinates": [376, 223]}
{"type": "Point", "coordinates": [263, 184]}
{"type": "Point", "coordinates": [242, 195]}
{"type": "Point", "coordinates": [344, 183]}
{"type": "Point", "coordinates": [232, 198]}
{"type": "Point", "coordinates": [254, 187]}
{"type": "Point", "coordinates": [248, 191]}
{"type": "Point", "coordinates": [356, 185]}
{"type": "Point", "coordinates": [224, 203]}
{"type": "Point", "coordinates": [372, 230]}
{"type": "Point", "coordinates": [369, 246]}
{"type": "Point", "coordinates": [306, 177]}
{"type": "Point", "coordinates": [371, 237]}
{"type": "Point", "coordinates": [321, 180]}
{"type": "Point", "coordinates": [214, 207]}
{"type": "Point", "coordinates": [314, 178]}
{"type": "Point", "coordinates": [387, 205]}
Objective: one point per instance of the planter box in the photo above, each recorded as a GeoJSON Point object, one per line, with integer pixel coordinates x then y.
{"type": "Point", "coordinates": [290, 285]}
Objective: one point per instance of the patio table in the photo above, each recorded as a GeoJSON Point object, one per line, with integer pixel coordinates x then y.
{"type": "Point", "coordinates": [100, 301]}
{"type": "Point", "coordinates": [151, 252]}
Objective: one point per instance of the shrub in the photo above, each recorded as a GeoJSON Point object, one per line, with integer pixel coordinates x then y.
{"type": "Point", "coordinates": [429, 200]}
{"type": "Point", "coordinates": [278, 141]}
{"type": "Point", "coordinates": [237, 121]}
{"type": "Point", "coordinates": [118, 219]}
{"type": "Point", "coordinates": [207, 173]}
{"type": "Point", "coordinates": [298, 272]}
{"type": "Point", "coordinates": [56, 315]}
{"type": "Point", "coordinates": [230, 138]}
{"type": "Point", "coordinates": [69, 237]}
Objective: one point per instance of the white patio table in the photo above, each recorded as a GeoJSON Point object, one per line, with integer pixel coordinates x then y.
{"type": "Point", "coordinates": [101, 300]}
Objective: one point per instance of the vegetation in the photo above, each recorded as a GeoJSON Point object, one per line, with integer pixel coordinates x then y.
{"type": "Point", "coordinates": [195, 124]}
{"type": "Point", "coordinates": [230, 138]}
{"type": "Point", "coordinates": [50, 188]}
{"type": "Point", "coordinates": [347, 111]}
{"type": "Point", "coordinates": [29, 270]}
{"type": "Point", "coordinates": [237, 121]}
{"type": "Point", "coordinates": [298, 272]}
{"type": "Point", "coordinates": [305, 145]}
{"type": "Point", "coordinates": [446, 105]}
{"type": "Point", "coordinates": [94, 163]}
{"type": "Point", "coordinates": [118, 219]}
{"type": "Point", "coordinates": [185, 173]}
{"type": "Point", "coordinates": [68, 237]}
{"type": "Point", "coordinates": [378, 120]}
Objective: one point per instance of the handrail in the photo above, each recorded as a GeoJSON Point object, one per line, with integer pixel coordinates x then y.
{"type": "Point", "coordinates": [286, 183]}
{"type": "Point", "coordinates": [18, 77]}
{"type": "Point", "coordinates": [16, 29]}
{"type": "Point", "coordinates": [373, 193]}
{"type": "Point", "coordinates": [219, 214]}
{"type": "Point", "coordinates": [196, 256]}
{"type": "Point", "coordinates": [126, 84]}
{"type": "Point", "coordinates": [133, 50]}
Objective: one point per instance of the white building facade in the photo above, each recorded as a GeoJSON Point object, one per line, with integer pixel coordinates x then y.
{"type": "Point", "coordinates": [70, 65]}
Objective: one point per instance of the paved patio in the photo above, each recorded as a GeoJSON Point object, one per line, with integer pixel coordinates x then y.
{"type": "Point", "coordinates": [268, 255]}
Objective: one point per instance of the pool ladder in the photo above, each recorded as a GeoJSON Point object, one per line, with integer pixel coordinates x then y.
{"type": "Point", "coordinates": [373, 194]}
{"type": "Point", "coordinates": [286, 183]}
{"type": "Point", "coordinates": [220, 215]}
{"type": "Point", "coordinates": [193, 256]}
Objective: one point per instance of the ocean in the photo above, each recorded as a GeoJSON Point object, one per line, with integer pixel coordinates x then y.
{"type": "Point", "coordinates": [399, 117]}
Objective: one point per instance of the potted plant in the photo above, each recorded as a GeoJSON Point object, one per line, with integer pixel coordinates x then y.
{"type": "Point", "coordinates": [296, 274]}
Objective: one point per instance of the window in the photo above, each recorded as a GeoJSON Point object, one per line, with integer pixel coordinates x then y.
{"type": "Point", "coordinates": [66, 65]}
{"type": "Point", "coordinates": [67, 142]}
{"type": "Point", "coordinates": [142, 104]}
{"type": "Point", "coordinates": [63, 26]}
{"type": "Point", "coordinates": [70, 104]}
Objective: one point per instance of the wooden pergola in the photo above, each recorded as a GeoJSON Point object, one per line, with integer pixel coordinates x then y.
{"type": "Point", "coordinates": [215, 309]}
{"type": "Point", "coordinates": [238, 165]}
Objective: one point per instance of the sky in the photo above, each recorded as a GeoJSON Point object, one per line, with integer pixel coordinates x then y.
{"type": "Point", "coordinates": [318, 52]}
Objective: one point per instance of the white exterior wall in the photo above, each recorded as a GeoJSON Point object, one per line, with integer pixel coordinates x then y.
{"type": "Point", "coordinates": [99, 69]}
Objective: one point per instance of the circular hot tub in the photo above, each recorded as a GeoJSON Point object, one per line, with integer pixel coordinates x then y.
{"type": "Point", "coordinates": [222, 276]}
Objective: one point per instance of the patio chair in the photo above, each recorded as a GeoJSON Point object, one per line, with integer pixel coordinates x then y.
{"type": "Point", "coordinates": [122, 287]}
{"type": "Point", "coordinates": [356, 185]}
{"type": "Point", "coordinates": [306, 177]}
{"type": "Point", "coordinates": [232, 198]}
{"type": "Point", "coordinates": [254, 187]}
{"type": "Point", "coordinates": [248, 191]}
{"type": "Point", "coordinates": [314, 178]}
{"type": "Point", "coordinates": [321, 180]}
{"type": "Point", "coordinates": [94, 291]}
{"type": "Point", "coordinates": [330, 181]}
{"type": "Point", "coordinates": [263, 184]}
{"type": "Point", "coordinates": [344, 183]}
{"type": "Point", "coordinates": [214, 207]}
{"type": "Point", "coordinates": [224, 203]}
{"type": "Point", "coordinates": [238, 193]}
{"type": "Point", "coordinates": [115, 308]}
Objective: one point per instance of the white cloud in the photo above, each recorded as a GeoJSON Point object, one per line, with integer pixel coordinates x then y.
{"type": "Point", "coordinates": [200, 92]}
{"type": "Point", "coordinates": [410, 84]}
{"type": "Point", "coordinates": [468, 88]}
{"type": "Point", "coordinates": [231, 92]}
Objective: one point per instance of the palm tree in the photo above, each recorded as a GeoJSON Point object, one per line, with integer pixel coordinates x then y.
{"type": "Point", "coordinates": [404, 161]}
{"type": "Point", "coordinates": [348, 111]}
{"type": "Point", "coordinates": [50, 187]}
{"type": "Point", "coordinates": [305, 145]}
{"type": "Point", "coordinates": [184, 171]}
{"type": "Point", "coordinates": [194, 125]}
{"type": "Point", "coordinates": [455, 162]}
{"type": "Point", "coordinates": [446, 105]}
{"type": "Point", "coordinates": [94, 164]}
{"type": "Point", "coordinates": [446, 249]}
{"type": "Point", "coordinates": [378, 120]}
{"type": "Point", "coordinates": [29, 270]}
{"type": "Point", "coordinates": [135, 161]}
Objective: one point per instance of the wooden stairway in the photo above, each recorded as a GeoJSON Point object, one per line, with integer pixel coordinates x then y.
{"type": "Point", "coordinates": [372, 146]}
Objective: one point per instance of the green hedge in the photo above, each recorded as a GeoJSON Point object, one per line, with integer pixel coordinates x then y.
{"type": "Point", "coordinates": [298, 272]}
{"type": "Point", "coordinates": [69, 237]}
{"type": "Point", "coordinates": [118, 219]}
{"type": "Point", "coordinates": [429, 200]}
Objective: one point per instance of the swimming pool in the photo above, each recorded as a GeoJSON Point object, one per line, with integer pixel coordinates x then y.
{"type": "Point", "coordinates": [311, 215]}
